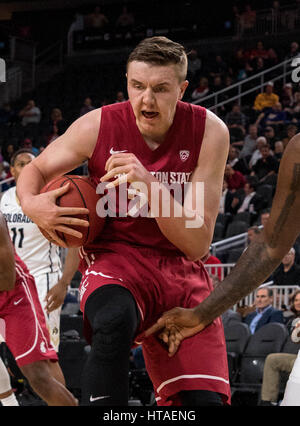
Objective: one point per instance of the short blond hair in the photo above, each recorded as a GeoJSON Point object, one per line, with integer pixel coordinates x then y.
{"type": "Point", "coordinates": [160, 51]}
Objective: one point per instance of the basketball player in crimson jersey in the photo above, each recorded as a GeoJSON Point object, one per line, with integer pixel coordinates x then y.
{"type": "Point", "coordinates": [26, 333]}
{"type": "Point", "coordinates": [141, 266]}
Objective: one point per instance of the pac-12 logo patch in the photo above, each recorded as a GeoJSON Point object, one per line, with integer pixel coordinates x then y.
{"type": "Point", "coordinates": [184, 155]}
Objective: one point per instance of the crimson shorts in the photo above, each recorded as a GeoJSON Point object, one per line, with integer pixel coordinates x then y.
{"type": "Point", "coordinates": [159, 283]}
{"type": "Point", "coordinates": [26, 333]}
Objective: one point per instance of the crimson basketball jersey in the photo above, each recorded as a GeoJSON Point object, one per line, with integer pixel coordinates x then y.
{"type": "Point", "coordinates": [172, 162]}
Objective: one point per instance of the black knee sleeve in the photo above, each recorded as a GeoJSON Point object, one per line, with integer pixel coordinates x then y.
{"type": "Point", "coordinates": [113, 316]}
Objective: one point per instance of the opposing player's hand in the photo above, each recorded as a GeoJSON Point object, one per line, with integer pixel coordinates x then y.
{"type": "Point", "coordinates": [55, 296]}
{"type": "Point", "coordinates": [44, 212]}
{"type": "Point", "coordinates": [126, 165]}
{"type": "Point", "coordinates": [176, 325]}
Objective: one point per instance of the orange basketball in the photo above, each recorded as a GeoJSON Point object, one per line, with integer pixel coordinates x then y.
{"type": "Point", "coordinates": [81, 193]}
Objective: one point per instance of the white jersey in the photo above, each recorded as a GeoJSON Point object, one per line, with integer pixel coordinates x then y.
{"type": "Point", "coordinates": [39, 255]}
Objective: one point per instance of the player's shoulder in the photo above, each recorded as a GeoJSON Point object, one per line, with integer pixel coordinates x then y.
{"type": "Point", "coordinates": [215, 124]}
{"type": "Point", "coordinates": [8, 196]}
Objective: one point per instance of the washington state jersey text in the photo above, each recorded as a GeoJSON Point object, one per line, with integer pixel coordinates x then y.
{"type": "Point", "coordinates": [172, 162]}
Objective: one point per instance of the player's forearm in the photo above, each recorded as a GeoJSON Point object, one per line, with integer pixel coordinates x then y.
{"type": "Point", "coordinates": [29, 184]}
{"type": "Point", "coordinates": [193, 242]}
{"type": "Point", "coordinates": [182, 225]}
{"type": "Point", "coordinates": [254, 266]}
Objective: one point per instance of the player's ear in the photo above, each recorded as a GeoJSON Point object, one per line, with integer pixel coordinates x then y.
{"type": "Point", "coordinates": [183, 87]}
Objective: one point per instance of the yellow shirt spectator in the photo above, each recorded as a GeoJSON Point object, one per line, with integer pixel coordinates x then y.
{"type": "Point", "coordinates": [267, 99]}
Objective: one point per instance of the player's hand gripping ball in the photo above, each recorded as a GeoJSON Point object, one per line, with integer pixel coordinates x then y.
{"type": "Point", "coordinates": [81, 193]}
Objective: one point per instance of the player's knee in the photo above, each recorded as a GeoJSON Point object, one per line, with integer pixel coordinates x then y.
{"type": "Point", "coordinates": [113, 331]}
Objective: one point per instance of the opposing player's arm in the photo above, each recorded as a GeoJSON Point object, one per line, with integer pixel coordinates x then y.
{"type": "Point", "coordinates": [7, 259]}
{"type": "Point", "coordinates": [256, 264]}
{"type": "Point", "coordinates": [267, 251]}
{"type": "Point", "coordinates": [194, 231]}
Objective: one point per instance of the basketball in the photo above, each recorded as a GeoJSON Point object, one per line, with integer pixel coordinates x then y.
{"type": "Point", "coordinates": [81, 193]}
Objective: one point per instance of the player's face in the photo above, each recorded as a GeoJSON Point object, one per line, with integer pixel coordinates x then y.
{"type": "Point", "coordinates": [21, 161]}
{"type": "Point", "coordinates": [153, 91]}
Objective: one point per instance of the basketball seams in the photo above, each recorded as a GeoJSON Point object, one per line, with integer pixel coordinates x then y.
{"type": "Point", "coordinates": [59, 182]}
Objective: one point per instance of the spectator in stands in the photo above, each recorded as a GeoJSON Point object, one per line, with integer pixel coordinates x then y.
{"type": "Point", "coordinates": [259, 52]}
{"type": "Point", "coordinates": [278, 150]}
{"type": "Point", "coordinates": [276, 363]}
{"type": "Point", "coordinates": [7, 115]}
{"type": "Point", "coordinates": [248, 20]}
{"type": "Point", "coordinates": [219, 67]}
{"type": "Point", "coordinates": [265, 166]}
{"type": "Point", "coordinates": [272, 117]}
{"type": "Point", "coordinates": [120, 97]}
{"type": "Point", "coordinates": [97, 19]}
{"type": "Point", "coordinates": [217, 84]}
{"type": "Point", "coordinates": [288, 272]}
{"type": "Point", "coordinates": [30, 113]}
{"type": "Point", "coordinates": [236, 122]}
{"type": "Point", "coordinates": [57, 125]}
{"type": "Point", "coordinates": [249, 143]}
{"type": "Point", "coordinates": [272, 58]}
{"type": "Point", "coordinates": [7, 152]}
{"type": "Point", "coordinates": [213, 260]}
{"type": "Point", "coordinates": [202, 90]}
{"type": "Point", "coordinates": [87, 106]}
{"type": "Point", "coordinates": [27, 143]}
{"type": "Point", "coordinates": [194, 63]}
{"type": "Point", "coordinates": [251, 201]}
{"type": "Point", "coordinates": [264, 312]}
{"type": "Point", "coordinates": [235, 179]}
{"type": "Point", "coordinates": [267, 99]}
{"type": "Point", "coordinates": [233, 156]}
{"type": "Point", "coordinates": [295, 110]}
{"type": "Point", "coordinates": [226, 200]}
{"type": "Point", "coordinates": [258, 65]}
{"type": "Point", "coordinates": [269, 134]}
{"type": "Point", "coordinates": [239, 63]}
{"type": "Point", "coordinates": [294, 50]}
{"type": "Point", "coordinates": [287, 97]}
{"type": "Point", "coordinates": [125, 21]}
{"type": "Point", "coordinates": [253, 232]}
{"type": "Point", "coordinates": [264, 217]}
{"type": "Point", "coordinates": [260, 142]}
{"type": "Point", "coordinates": [291, 131]}
{"type": "Point", "coordinates": [239, 164]}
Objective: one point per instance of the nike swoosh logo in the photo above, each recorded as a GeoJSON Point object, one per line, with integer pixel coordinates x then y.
{"type": "Point", "coordinates": [116, 152]}
{"type": "Point", "coordinates": [98, 397]}
{"type": "Point", "coordinates": [18, 301]}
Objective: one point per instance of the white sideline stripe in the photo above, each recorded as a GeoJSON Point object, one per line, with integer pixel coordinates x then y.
{"type": "Point", "coordinates": [19, 270]}
{"type": "Point", "coordinates": [24, 277]}
{"type": "Point", "coordinates": [191, 376]}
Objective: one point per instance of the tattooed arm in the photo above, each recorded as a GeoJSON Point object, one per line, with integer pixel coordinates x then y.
{"type": "Point", "coordinates": [256, 263]}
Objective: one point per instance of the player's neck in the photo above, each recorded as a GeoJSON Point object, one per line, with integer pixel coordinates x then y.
{"type": "Point", "coordinates": [152, 143]}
